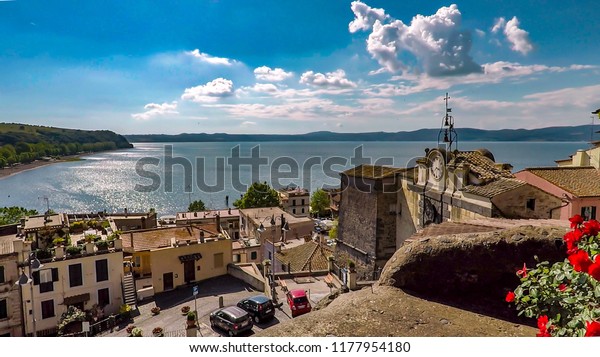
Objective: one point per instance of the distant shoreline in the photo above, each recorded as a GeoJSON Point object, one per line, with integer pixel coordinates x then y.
{"type": "Point", "coordinates": [10, 171]}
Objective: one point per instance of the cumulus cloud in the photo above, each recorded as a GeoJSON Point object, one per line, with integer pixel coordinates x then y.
{"type": "Point", "coordinates": [365, 17]}
{"type": "Point", "coordinates": [268, 74]}
{"type": "Point", "coordinates": [518, 38]}
{"type": "Point", "coordinates": [154, 109]}
{"type": "Point", "coordinates": [335, 79]}
{"type": "Point", "coordinates": [205, 57]}
{"type": "Point", "coordinates": [436, 41]}
{"type": "Point", "coordinates": [210, 92]}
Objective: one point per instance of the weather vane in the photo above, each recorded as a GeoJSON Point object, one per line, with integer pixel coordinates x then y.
{"type": "Point", "coordinates": [447, 128]}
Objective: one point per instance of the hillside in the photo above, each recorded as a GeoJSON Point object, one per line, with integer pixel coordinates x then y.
{"type": "Point", "coordinates": [563, 133]}
{"type": "Point", "coordinates": [20, 143]}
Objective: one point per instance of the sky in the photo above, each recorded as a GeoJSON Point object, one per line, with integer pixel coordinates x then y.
{"type": "Point", "coordinates": [188, 66]}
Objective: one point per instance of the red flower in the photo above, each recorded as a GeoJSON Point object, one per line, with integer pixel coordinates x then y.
{"type": "Point", "coordinates": [592, 329]}
{"type": "Point", "coordinates": [542, 323]}
{"type": "Point", "coordinates": [591, 228]}
{"type": "Point", "coordinates": [576, 220]}
{"type": "Point", "coordinates": [594, 269]}
{"type": "Point", "coordinates": [580, 261]}
{"type": "Point", "coordinates": [572, 238]}
{"type": "Point", "coordinates": [562, 287]}
{"type": "Point", "coordinates": [523, 272]}
{"type": "Point", "coordinates": [510, 297]}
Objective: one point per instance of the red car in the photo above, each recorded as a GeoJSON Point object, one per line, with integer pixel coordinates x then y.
{"type": "Point", "coordinates": [298, 302]}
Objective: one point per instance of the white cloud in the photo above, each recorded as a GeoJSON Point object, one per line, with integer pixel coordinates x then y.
{"type": "Point", "coordinates": [268, 74]}
{"type": "Point", "coordinates": [436, 41]}
{"type": "Point", "coordinates": [205, 57]}
{"type": "Point", "coordinates": [265, 88]}
{"type": "Point", "coordinates": [248, 123]}
{"type": "Point", "coordinates": [518, 37]}
{"type": "Point", "coordinates": [210, 92]}
{"type": "Point", "coordinates": [153, 110]}
{"type": "Point", "coordinates": [499, 25]}
{"type": "Point", "coordinates": [496, 72]}
{"type": "Point", "coordinates": [365, 16]}
{"type": "Point", "coordinates": [480, 33]}
{"type": "Point", "coordinates": [331, 79]}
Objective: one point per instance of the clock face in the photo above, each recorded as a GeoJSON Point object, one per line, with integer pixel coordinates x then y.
{"type": "Point", "coordinates": [437, 167]}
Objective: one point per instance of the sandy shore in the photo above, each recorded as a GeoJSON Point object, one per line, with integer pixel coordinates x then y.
{"type": "Point", "coordinates": [9, 171]}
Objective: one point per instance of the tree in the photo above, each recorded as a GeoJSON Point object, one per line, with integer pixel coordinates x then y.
{"type": "Point", "coordinates": [10, 215]}
{"type": "Point", "coordinates": [319, 202]}
{"type": "Point", "coordinates": [196, 206]}
{"type": "Point", "coordinates": [258, 195]}
{"type": "Point", "coordinates": [333, 232]}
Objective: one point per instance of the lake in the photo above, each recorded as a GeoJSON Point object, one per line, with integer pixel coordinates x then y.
{"type": "Point", "coordinates": [174, 174]}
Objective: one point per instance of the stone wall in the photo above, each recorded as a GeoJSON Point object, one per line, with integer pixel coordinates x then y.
{"type": "Point", "coordinates": [513, 204]}
{"type": "Point", "coordinates": [12, 326]}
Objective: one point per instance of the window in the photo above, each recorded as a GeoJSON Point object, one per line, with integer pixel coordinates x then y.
{"type": "Point", "coordinates": [101, 270]}
{"type": "Point", "coordinates": [302, 209]}
{"type": "Point", "coordinates": [45, 279]}
{"type": "Point", "coordinates": [2, 274]}
{"type": "Point", "coordinates": [303, 202]}
{"type": "Point", "coordinates": [236, 258]}
{"type": "Point", "coordinates": [103, 297]}
{"type": "Point", "coordinates": [294, 211]}
{"type": "Point", "coordinates": [293, 202]}
{"type": "Point", "coordinates": [531, 204]}
{"type": "Point", "coordinates": [138, 262]}
{"type": "Point", "coordinates": [75, 276]}
{"type": "Point", "coordinates": [253, 256]}
{"type": "Point", "coordinates": [218, 260]}
{"type": "Point", "coordinates": [588, 212]}
{"type": "Point", "coordinates": [47, 309]}
{"type": "Point", "coordinates": [3, 309]}
{"type": "Point", "coordinates": [270, 258]}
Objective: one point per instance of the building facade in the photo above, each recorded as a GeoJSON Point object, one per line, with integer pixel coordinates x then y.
{"type": "Point", "coordinates": [226, 219]}
{"type": "Point", "coordinates": [11, 322]}
{"type": "Point", "coordinates": [295, 201]}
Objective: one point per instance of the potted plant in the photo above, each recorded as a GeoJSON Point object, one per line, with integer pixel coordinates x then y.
{"type": "Point", "coordinates": [136, 332]}
{"type": "Point", "coordinates": [155, 310]}
{"type": "Point", "coordinates": [185, 310]}
{"type": "Point", "coordinates": [73, 250]}
{"type": "Point", "coordinates": [158, 332]}
{"type": "Point", "coordinates": [102, 246]}
{"type": "Point", "coordinates": [130, 328]}
{"type": "Point", "coordinates": [125, 311]}
{"type": "Point", "coordinates": [191, 319]}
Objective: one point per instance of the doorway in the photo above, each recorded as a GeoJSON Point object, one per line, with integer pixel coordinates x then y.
{"type": "Point", "coordinates": [189, 271]}
{"type": "Point", "coordinates": [167, 281]}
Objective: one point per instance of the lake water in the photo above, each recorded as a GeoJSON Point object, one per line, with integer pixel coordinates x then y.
{"type": "Point", "coordinates": [107, 181]}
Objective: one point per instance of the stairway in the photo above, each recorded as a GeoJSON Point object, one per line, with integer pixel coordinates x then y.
{"type": "Point", "coordinates": [129, 291]}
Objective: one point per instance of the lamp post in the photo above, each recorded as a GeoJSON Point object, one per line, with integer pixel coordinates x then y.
{"type": "Point", "coordinates": [34, 265]}
{"type": "Point", "coordinates": [284, 228]}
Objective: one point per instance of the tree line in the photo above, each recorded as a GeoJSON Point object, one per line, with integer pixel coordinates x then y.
{"type": "Point", "coordinates": [25, 153]}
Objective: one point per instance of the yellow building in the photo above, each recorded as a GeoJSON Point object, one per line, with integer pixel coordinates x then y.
{"type": "Point", "coordinates": [92, 278]}
{"type": "Point", "coordinates": [166, 258]}
{"type": "Point", "coordinates": [10, 301]}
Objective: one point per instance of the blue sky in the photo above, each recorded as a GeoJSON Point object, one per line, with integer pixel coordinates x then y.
{"type": "Point", "coordinates": [297, 66]}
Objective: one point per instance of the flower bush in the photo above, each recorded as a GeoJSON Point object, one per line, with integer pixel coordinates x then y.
{"type": "Point", "coordinates": [129, 329]}
{"type": "Point", "coordinates": [185, 309]}
{"type": "Point", "coordinates": [564, 297]}
{"type": "Point", "coordinates": [158, 332]}
{"type": "Point", "coordinates": [155, 310]}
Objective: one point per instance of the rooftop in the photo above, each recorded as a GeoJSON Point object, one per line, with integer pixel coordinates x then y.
{"type": "Point", "coordinates": [482, 166]}
{"type": "Point", "coordinates": [223, 213]}
{"type": "Point", "coordinates": [373, 172]}
{"type": "Point", "coordinates": [263, 215]}
{"type": "Point", "coordinates": [579, 181]}
{"type": "Point", "coordinates": [35, 223]}
{"type": "Point", "coordinates": [161, 237]}
{"type": "Point", "coordinates": [6, 244]}
{"type": "Point", "coordinates": [305, 256]}
{"type": "Point", "coordinates": [495, 188]}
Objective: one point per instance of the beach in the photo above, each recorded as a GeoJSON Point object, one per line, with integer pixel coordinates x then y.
{"type": "Point", "coordinates": [9, 171]}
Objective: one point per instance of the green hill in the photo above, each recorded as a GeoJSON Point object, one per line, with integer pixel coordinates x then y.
{"type": "Point", "coordinates": [26, 143]}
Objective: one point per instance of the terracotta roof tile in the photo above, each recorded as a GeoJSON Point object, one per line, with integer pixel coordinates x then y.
{"type": "Point", "coordinates": [481, 166]}
{"type": "Point", "coordinates": [301, 257]}
{"type": "Point", "coordinates": [580, 181]}
{"type": "Point", "coordinates": [160, 238]}
{"type": "Point", "coordinates": [495, 188]}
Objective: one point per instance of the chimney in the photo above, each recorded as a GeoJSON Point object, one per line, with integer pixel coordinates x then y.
{"type": "Point", "coordinates": [229, 211]}
{"type": "Point", "coordinates": [131, 239]}
{"type": "Point", "coordinates": [218, 218]}
{"type": "Point", "coordinates": [201, 236]}
{"type": "Point", "coordinates": [125, 212]}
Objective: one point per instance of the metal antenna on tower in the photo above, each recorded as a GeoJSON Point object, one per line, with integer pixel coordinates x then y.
{"type": "Point", "coordinates": [447, 128]}
{"type": "Point", "coordinates": [45, 198]}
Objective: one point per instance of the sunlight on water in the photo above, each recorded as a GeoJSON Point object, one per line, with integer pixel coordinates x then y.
{"type": "Point", "coordinates": [106, 181]}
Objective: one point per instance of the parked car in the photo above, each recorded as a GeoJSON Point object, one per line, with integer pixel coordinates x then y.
{"type": "Point", "coordinates": [232, 320]}
{"type": "Point", "coordinates": [298, 302]}
{"type": "Point", "coordinates": [259, 307]}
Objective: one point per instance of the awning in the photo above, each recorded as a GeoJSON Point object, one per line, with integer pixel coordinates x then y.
{"type": "Point", "coordinates": [190, 257]}
{"type": "Point", "coordinates": [76, 299]}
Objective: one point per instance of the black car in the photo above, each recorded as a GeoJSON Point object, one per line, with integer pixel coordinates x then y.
{"type": "Point", "coordinates": [259, 307]}
{"type": "Point", "coordinates": [231, 319]}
